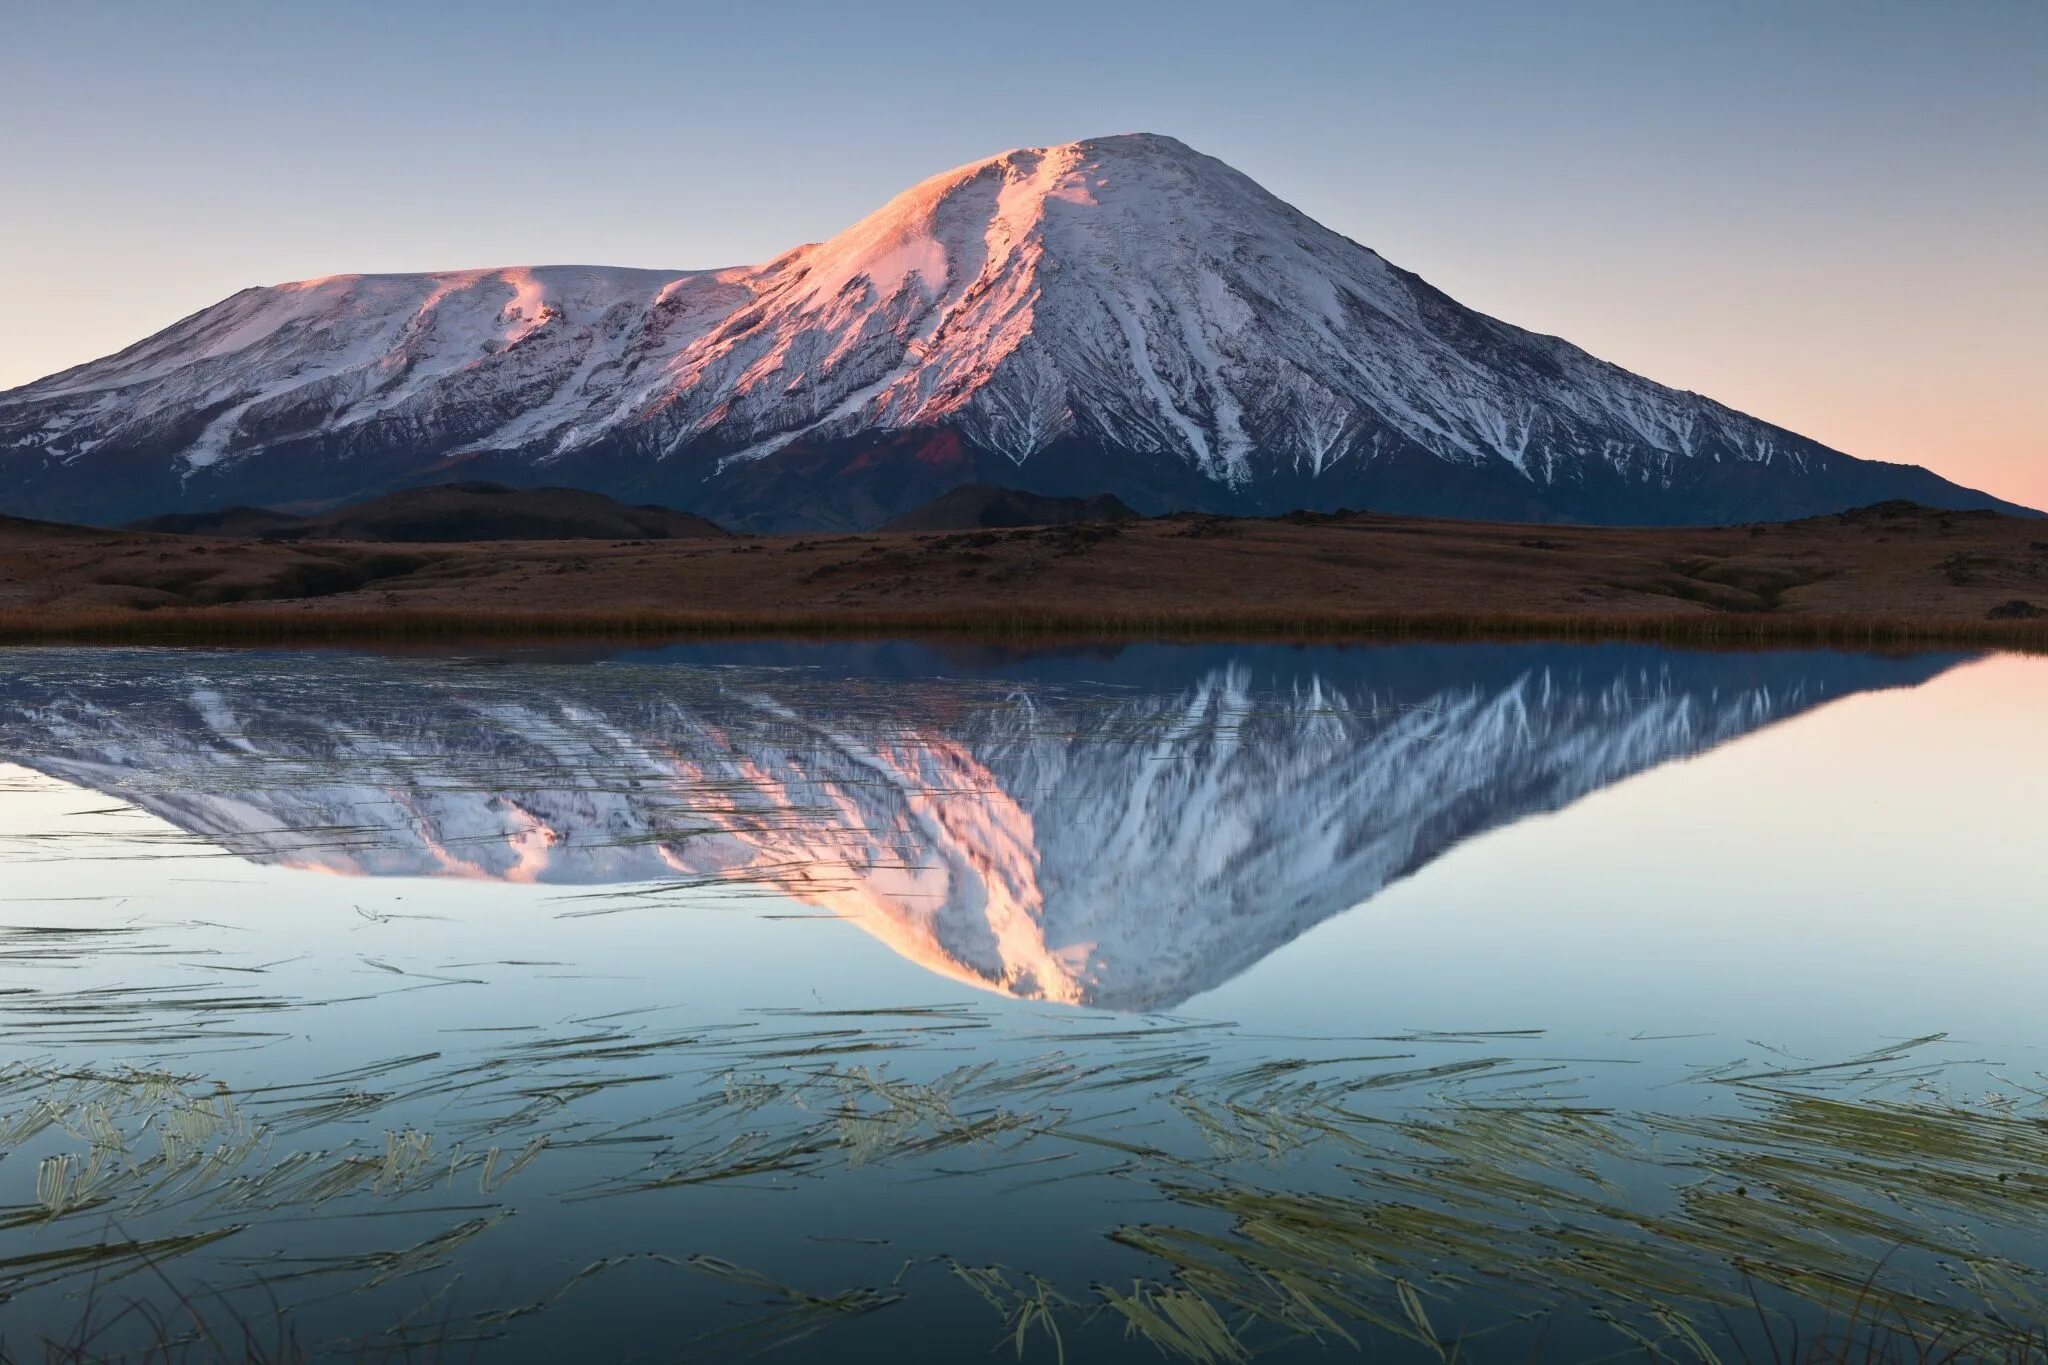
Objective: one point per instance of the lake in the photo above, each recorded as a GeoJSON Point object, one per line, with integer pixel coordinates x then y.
{"type": "Point", "coordinates": [890, 1000]}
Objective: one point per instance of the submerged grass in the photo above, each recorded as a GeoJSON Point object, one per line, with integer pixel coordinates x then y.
{"type": "Point", "coordinates": [1039, 1307]}
{"type": "Point", "coordinates": [1179, 1322]}
{"type": "Point", "coordinates": [1439, 1194]}
{"type": "Point", "coordinates": [1423, 1223]}
{"type": "Point", "coordinates": [791, 1314]}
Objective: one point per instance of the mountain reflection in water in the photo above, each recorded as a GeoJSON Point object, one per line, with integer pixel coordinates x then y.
{"type": "Point", "coordinates": [1122, 828]}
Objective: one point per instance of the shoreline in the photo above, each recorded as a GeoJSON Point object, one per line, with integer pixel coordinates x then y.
{"type": "Point", "coordinates": [296, 626]}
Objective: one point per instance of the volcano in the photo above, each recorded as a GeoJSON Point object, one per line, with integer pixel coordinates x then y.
{"type": "Point", "coordinates": [1121, 316]}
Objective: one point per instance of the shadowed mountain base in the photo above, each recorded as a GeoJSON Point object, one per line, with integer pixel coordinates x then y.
{"type": "Point", "coordinates": [450, 512]}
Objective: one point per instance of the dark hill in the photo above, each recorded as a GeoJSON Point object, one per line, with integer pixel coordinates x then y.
{"type": "Point", "coordinates": [979, 506]}
{"type": "Point", "coordinates": [228, 521]}
{"type": "Point", "coordinates": [454, 512]}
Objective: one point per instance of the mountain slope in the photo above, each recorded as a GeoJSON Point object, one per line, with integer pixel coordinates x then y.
{"type": "Point", "coordinates": [1120, 315]}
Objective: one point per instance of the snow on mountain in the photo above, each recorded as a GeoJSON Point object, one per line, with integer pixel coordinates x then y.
{"type": "Point", "coordinates": [1120, 315]}
{"type": "Point", "coordinates": [1125, 842]}
{"type": "Point", "coordinates": [513, 348]}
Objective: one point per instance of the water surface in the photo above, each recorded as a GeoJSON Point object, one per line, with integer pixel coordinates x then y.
{"type": "Point", "coordinates": [1197, 999]}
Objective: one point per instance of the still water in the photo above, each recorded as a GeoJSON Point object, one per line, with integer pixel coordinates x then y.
{"type": "Point", "coordinates": [897, 1001]}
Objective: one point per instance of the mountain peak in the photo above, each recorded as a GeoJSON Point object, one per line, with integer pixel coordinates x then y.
{"type": "Point", "coordinates": [1118, 314]}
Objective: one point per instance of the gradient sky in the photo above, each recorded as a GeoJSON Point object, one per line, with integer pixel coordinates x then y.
{"type": "Point", "coordinates": [1831, 215]}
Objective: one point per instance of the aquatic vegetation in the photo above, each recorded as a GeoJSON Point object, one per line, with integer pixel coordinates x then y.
{"type": "Point", "coordinates": [1037, 1308]}
{"type": "Point", "coordinates": [1272, 1215]}
{"type": "Point", "coordinates": [792, 1314]}
{"type": "Point", "coordinates": [1180, 1322]}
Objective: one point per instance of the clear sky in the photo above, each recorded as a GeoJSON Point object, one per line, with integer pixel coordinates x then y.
{"type": "Point", "coordinates": [1832, 215]}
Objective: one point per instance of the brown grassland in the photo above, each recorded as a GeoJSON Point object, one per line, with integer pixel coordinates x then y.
{"type": "Point", "coordinates": [1890, 575]}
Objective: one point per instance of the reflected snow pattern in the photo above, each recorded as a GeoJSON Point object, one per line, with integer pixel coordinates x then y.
{"type": "Point", "coordinates": [1122, 829]}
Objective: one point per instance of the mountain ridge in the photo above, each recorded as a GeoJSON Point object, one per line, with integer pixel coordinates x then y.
{"type": "Point", "coordinates": [1121, 315]}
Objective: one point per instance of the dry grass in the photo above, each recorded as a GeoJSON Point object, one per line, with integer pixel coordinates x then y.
{"type": "Point", "coordinates": [280, 625]}
{"type": "Point", "coordinates": [1890, 576]}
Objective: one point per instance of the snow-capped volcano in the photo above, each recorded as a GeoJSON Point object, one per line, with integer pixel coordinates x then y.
{"type": "Point", "coordinates": [1121, 315]}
